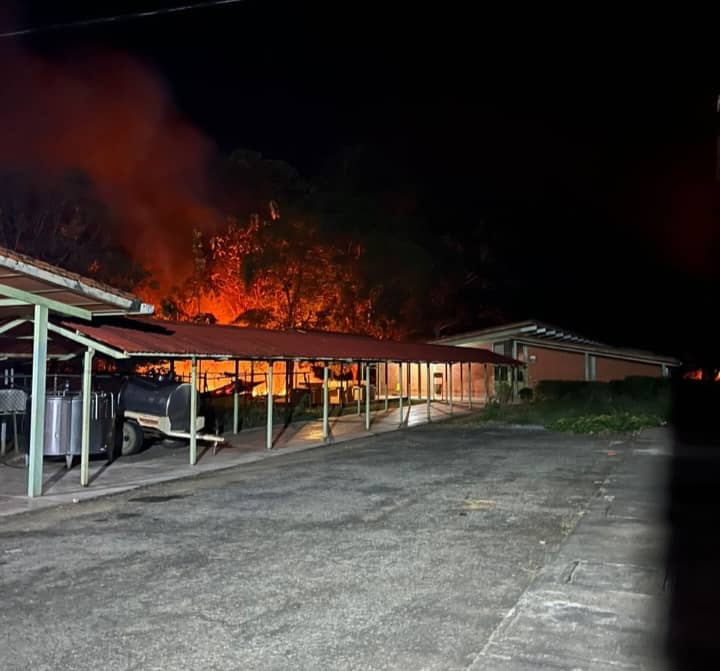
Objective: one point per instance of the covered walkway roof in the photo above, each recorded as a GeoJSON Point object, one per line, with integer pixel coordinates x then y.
{"type": "Point", "coordinates": [26, 282]}
{"type": "Point", "coordinates": [145, 338]}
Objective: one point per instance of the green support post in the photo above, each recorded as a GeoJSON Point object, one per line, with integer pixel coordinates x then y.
{"type": "Point", "coordinates": [367, 397]}
{"type": "Point", "coordinates": [37, 401]}
{"type": "Point", "coordinates": [470, 385]}
{"type": "Point", "coordinates": [400, 390]}
{"type": "Point", "coordinates": [427, 383]}
{"type": "Point", "coordinates": [386, 386]}
{"type": "Point", "coordinates": [85, 436]}
{"type": "Point", "coordinates": [236, 401]}
{"type": "Point", "coordinates": [193, 411]}
{"type": "Point", "coordinates": [326, 403]}
{"type": "Point", "coordinates": [269, 429]}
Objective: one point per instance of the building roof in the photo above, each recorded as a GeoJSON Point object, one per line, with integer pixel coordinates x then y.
{"type": "Point", "coordinates": [525, 328]}
{"type": "Point", "coordinates": [542, 334]}
{"type": "Point", "coordinates": [147, 338]}
{"type": "Point", "coordinates": [25, 282]}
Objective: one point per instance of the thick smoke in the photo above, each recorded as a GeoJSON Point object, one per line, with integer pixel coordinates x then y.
{"type": "Point", "coordinates": [111, 117]}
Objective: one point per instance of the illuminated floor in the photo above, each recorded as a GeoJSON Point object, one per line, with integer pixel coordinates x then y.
{"type": "Point", "coordinates": [166, 461]}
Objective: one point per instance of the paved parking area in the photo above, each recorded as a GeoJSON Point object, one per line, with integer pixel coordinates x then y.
{"type": "Point", "coordinates": [168, 460]}
{"type": "Point", "coordinates": [439, 547]}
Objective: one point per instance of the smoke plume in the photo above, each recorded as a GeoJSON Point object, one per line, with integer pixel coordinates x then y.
{"type": "Point", "coordinates": [112, 117]}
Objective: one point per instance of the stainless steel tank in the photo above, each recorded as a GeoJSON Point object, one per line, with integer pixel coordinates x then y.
{"type": "Point", "coordinates": [63, 424]}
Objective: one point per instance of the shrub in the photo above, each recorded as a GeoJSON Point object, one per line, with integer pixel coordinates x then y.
{"type": "Point", "coordinates": [616, 422]}
{"type": "Point", "coordinates": [503, 392]}
{"type": "Point", "coordinates": [526, 394]}
{"type": "Point", "coordinates": [572, 390]}
{"type": "Point", "coordinates": [640, 388]}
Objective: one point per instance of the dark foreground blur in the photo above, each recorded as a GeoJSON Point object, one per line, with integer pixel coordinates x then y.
{"type": "Point", "coordinates": [694, 515]}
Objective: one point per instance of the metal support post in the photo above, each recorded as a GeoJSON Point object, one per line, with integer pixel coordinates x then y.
{"type": "Point", "coordinates": [236, 401]}
{"type": "Point", "coordinates": [193, 410]}
{"type": "Point", "coordinates": [326, 403]}
{"type": "Point", "coordinates": [427, 382]}
{"type": "Point", "coordinates": [400, 391]}
{"type": "Point", "coordinates": [386, 386]}
{"type": "Point", "coordinates": [367, 397]}
{"type": "Point", "coordinates": [269, 431]}
{"type": "Point", "coordinates": [470, 385]}
{"type": "Point", "coordinates": [409, 384]}
{"type": "Point", "coordinates": [85, 435]}
{"type": "Point", "coordinates": [462, 383]}
{"type": "Point", "coordinates": [37, 401]}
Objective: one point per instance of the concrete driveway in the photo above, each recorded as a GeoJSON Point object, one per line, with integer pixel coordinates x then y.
{"type": "Point", "coordinates": [439, 547]}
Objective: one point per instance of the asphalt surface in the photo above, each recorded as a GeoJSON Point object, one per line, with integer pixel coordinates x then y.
{"type": "Point", "coordinates": [439, 547]}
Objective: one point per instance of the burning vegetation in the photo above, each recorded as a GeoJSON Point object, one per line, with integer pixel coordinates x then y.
{"type": "Point", "coordinates": [99, 173]}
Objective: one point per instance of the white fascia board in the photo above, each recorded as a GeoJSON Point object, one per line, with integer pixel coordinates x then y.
{"type": "Point", "coordinates": [28, 298]}
{"type": "Point", "coordinates": [76, 336]}
{"type": "Point", "coordinates": [124, 304]}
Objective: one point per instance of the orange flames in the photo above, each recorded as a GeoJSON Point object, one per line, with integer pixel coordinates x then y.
{"type": "Point", "coordinates": [698, 375]}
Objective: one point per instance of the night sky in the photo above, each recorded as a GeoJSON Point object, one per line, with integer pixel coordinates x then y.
{"type": "Point", "coordinates": [582, 146]}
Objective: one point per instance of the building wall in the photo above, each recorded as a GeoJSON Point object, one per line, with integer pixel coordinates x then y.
{"type": "Point", "coordinates": [617, 369]}
{"type": "Point", "coordinates": [553, 364]}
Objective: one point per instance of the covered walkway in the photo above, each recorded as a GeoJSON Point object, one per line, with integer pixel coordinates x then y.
{"type": "Point", "coordinates": [162, 462]}
{"type": "Point", "coordinates": [88, 320]}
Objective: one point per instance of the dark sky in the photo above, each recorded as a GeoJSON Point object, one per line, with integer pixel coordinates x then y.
{"type": "Point", "coordinates": [584, 145]}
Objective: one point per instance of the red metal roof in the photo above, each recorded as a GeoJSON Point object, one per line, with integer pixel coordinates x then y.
{"type": "Point", "coordinates": [154, 338]}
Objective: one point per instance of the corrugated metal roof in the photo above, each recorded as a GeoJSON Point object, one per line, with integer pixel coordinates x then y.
{"type": "Point", "coordinates": [24, 279]}
{"type": "Point", "coordinates": [153, 338]}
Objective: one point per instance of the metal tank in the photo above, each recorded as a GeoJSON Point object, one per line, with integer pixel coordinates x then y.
{"type": "Point", "coordinates": [63, 424]}
{"type": "Point", "coordinates": [157, 399]}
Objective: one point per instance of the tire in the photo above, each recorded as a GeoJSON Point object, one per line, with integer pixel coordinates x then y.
{"type": "Point", "coordinates": [132, 438]}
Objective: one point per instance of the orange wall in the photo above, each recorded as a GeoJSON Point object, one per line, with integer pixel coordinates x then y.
{"type": "Point", "coordinates": [617, 369]}
{"type": "Point", "coordinates": [552, 364]}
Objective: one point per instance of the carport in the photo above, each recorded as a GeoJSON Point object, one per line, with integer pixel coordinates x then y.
{"type": "Point", "coordinates": [163, 340]}
{"type": "Point", "coordinates": [93, 318]}
{"type": "Point", "coordinates": [32, 290]}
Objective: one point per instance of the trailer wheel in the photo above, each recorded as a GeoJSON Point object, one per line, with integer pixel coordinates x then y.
{"type": "Point", "coordinates": [132, 438]}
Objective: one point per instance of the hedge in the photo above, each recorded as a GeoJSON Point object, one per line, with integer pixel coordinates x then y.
{"type": "Point", "coordinates": [633, 387]}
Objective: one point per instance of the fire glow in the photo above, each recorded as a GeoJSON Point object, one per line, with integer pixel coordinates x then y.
{"type": "Point", "coordinates": [111, 117]}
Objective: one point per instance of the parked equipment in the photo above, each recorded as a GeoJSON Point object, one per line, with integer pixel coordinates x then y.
{"type": "Point", "coordinates": [156, 407]}
{"type": "Point", "coordinates": [63, 425]}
